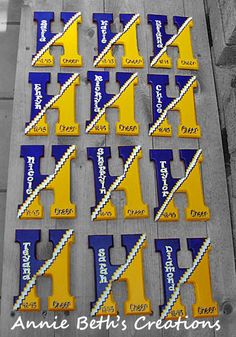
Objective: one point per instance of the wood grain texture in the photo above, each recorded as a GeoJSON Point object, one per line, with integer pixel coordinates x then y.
{"type": "Point", "coordinates": [9, 47]}
{"type": "Point", "coordinates": [5, 126]}
{"type": "Point", "coordinates": [213, 173]}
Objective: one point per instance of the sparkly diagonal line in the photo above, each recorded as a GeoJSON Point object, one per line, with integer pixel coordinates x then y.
{"type": "Point", "coordinates": [170, 41]}
{"type": "Point", "coordinates": [46, 181]}
{"type": "Point", "coordinates": [115, 38]}
{"type": "Point", "coordinates": [112, 101]}
{"type": "Point", "coordinates": [54, 99]}
{"type": "Point", "coordinates": [117, 274]}
{"type": "Point", "coordinates": [54, 38]}
{"type": "Point", "coordinates": [116, 183]}
{"type": "Point", "coordinates": [172, 105]}
{"type": "Point", "coordinates": [178, 184]}
{"type": "Point", "coordinates": [185, 277]}
{"type": "Point", "coordinates": [44, 268]}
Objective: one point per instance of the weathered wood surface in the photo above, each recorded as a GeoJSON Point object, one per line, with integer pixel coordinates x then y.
{"type": "Point", "coordinates": [213, 174]}
{"type": "Point", "coordinates": [9, 34]}
{"type": "Point", "coordinates": [227, 10]}
{"type": "Point", "coordinates": [222, 26]}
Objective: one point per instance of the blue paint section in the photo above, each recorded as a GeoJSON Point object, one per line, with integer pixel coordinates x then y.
{"type": "Point", "coordinates": [44, 34]}
{"type": "Point", "coordinates": [126, 18]}
{"type": "Point", "coordinates": [160, 37]}
{"type": "Point", "coordinates": [29, 264]}
{"type": "Point", "coordinates": [165, 182]}
{"type": "Point", "coordinates": [122, 77]}
{"type": "Point", "coordinates": [104, 33]}
{"type": "Point", "coordinates": [194, 245]}
{"type": "Point", "coordinates": [39, 96]}
{"type": "Point", "coordinates": [102, 179]}
{"type": "Point", "coordinates": [66, 16]}
{"type": "Point", "coordinates": [99, 96]}
{"type": "Point", "coordinates": [181, 81]}
{"type": "Point", "coordinates": [58, 151]}
{"type": "Point", "coordinates": [187, 156]}
{"type": "Point", "coordinates": [179, 21]}
{"type": "Point", "coordinates": [101, 245]}
{"type": "Point", "coordinates": [32, 177]}
{"type": "Point", "coordinates": [160, 100]}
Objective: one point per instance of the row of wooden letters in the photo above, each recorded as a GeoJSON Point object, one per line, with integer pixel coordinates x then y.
{"type": "Point", "coordinates": [105, 184]}
{"type": "Point", "coordinates": [68, 39]}
{"type": "Point", "coordinates": [131, 271]}
{"type": "Point", "coordinates": [123, 100]}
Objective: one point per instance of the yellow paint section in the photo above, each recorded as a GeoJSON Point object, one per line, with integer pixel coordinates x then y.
{"type": "Point", "coordinates": [31, 301]}
{"type": "Point", "coordinates": [177, 310]}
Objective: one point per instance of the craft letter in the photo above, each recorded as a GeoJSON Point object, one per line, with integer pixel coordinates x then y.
{"type": "Point", "coordinates": [58, 181]}
{"type": "Point", "coordinates": [162, 40]}
{"type": "Point", "coordinates": [190, 183]}
{"type": "Point", "coordinates": [107, 40]}
{"type": "Point", "coordinates": [57, 268]}
{"type": "Point", "coordinates": [105, 184]}
{"type": "Point", "coordinates": [131, 272]}
{"type": "Point", "coordinates": [184, 103]}
{"type": "Point", "coordinates": [68, 39]}
{"type": "Point", "coordinates": [174, 277]}
{"type": "Point", "coordinates": [64, 102]}
{"type": "Point", "coordinates": [123, 101]}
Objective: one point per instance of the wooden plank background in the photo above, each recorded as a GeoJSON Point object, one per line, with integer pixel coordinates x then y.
{"type": "Point", "coordinates": [213, 173]}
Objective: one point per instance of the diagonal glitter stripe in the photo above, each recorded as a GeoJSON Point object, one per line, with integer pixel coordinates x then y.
{"type": "Point", "coordinates": [46, 181]}
{"type": "Point", "coordinates": [178, 184]}
{"type": "Point", "coordinates": [185, 277]}
{"type": "Point", "coordinates": [116, 183]}
{"type": "Point", "coordinates": [51, 102]}
{"type": "Point", "coordinates": [172, 105]}
{"type": "Point", "coordinates": [117, 274]}
{"type": "Point", "coordinates": [170, 41]}
{"type": "Point", "coordinates": [43, 269]}
{"type": "Point", "coordinates": [112, 101]}
{"type": "Point", "coordinates": [115, 38]}
{"type": "Point", "coordinates": [54, 38]}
